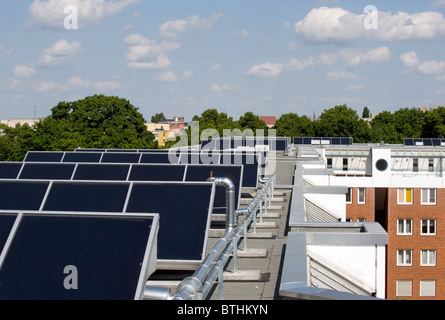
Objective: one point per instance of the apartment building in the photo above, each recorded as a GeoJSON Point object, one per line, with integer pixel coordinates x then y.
{"type": "Point", "coordinates": [402, 187]}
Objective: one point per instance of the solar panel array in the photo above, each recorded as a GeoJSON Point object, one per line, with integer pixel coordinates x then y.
{"type": "Point", "coordinates": [336, 141]}
{"type": "Point", "coordinates": [274, 143]}
{"type": "Point", "coordinates": [52, 256]}
{"type": "Point", "coordinates": [254, 163]}
{"type": "Point", "coordinates": [127, 172]}
{"type": "Point", "coordinates": [98, 210]}
{"type": "Point", "coordinates": [425, 142]}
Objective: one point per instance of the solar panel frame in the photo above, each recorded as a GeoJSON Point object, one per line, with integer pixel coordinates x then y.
{"type": "Point", "coordinates": [145, 265]}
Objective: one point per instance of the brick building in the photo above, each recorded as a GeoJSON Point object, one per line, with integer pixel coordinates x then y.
{"type": "Point", "coordinates": [402, 188]}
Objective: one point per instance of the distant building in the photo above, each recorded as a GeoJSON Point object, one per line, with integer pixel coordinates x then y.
{"type": "Point", "coordinates": [15, 121]}
{"type": "Point", "coordinates": [270, 121]}
{"type": "Point", "coordinates": [167, 128]}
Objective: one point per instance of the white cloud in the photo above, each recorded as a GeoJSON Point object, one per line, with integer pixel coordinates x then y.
{"type": "Point", "coordinates": [215, 68]}
{"type": "Point", "coordinates": [5, 51]}
{"type": "Point", "coordinates": [355, 87]}
{"type": "Point", "coordinates": [243, 33]}
{"type": "Point", "coordinates": [299, 65]}
{"type": "Point", "coordinates": [355, 57]}
{"type": "Point", "coordinates": [169, 76]}
{"type": "Point", "coordinates": [221, 87]}
{"type": "Point", "coordinates": [23, 72]}
{"type": "Point", "coordinates": [336, 25]}
{"type": "Point", "coordinates": [147, 54]}
{"type": "Point", "coordinates": [59, 53]}
{"type": "Point", "coordinates": [76, 83]}
{"type": "Point", "coordinates": [266, 70]}
{"type": "Point", "coordinates": [340, 75]}
{"type": "Point", "coordinates": [49, 14]}
{"type": "Point", "coordinates": [412, 62]}
{"type": "Point", "coordinates": [170, 29]}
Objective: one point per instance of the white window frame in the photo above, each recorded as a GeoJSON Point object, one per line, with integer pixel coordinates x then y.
{"type": "Point", "coordinates": [358, 196]}
{"type": "Point", "coordinates": [428, 201]}
{"type": "Point", "coordinates": [425, 282]}
{"type": "Point", "coordinates": [428, 226]}
{"type": "Point", "coordinates": [404, 231]}
{"type": "Point", "coordinates": [398, 284]}
{"type": "Point", "coordinates": [350, 193]}
{"type": "Point", "coordinates": [430, 255]}
{"type": "Point", "coordinates": [406, 253]}
{"type": "Point", "coordinates": [403, 201]}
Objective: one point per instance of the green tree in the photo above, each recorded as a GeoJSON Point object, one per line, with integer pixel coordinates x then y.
{"type": "Point", "coordinates": [250, 121]}
{"type": "Point", "coordinates": [94, 122]}
{"type": "Point", "coordinates": [292, 125]}
{"type": "Point", "coordinates": [342, 121]}
{"type": "Point", "coordinates": [365, 114]}
{"type": "Point", "coordinates": [434, 124]}
{"type": "Point", "coordinates": [15, 142]}
{"type": "Point", "coordinates": [158, 117]}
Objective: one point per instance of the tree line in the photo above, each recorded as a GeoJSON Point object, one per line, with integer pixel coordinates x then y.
{"type": "Point", "coordinates": [114, 123]}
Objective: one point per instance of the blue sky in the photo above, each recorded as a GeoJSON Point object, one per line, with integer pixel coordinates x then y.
{"type": "Point", "coordinates": [185, 56]}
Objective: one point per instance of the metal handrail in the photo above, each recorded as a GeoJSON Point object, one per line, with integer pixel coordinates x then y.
{"type": "Point", "coordinates": [200, 283]}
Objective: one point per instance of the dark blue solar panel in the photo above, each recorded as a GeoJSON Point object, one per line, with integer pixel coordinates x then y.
{"type": "Point", "coordinates": [86, 197]}
{"type": "Point", "coordinates": [298, 141]}
{"type": "Point", "coordinates": [47, 171]}
{"type": "Point", "coordinates": [203, 173]}
{"type": "Point", "coordinates": [436, 142]}
{"type": "Point", "coordinates": [44, 156]}
{"type": "Point", "coordinates": [250, 163]}
{"type": "Point", "coordinates": [90, 150]}
{"type": "Point", "coordinates": [22, 195]}
{"type": "Point", "coordinates": [346, 141]}
{"type": "Point", "coordinates": [428, 142]}
{"type": "Point", "coordinates": [111, 157]}
{"type": "Point", "coordinates": [9, 170]}
{"type": "Point", "coordinates": [106, 251]}
{"type": "Point", "coordinates": [6, 222]}
{"type": "Point", "coordinates": [160, 158]}
{"type": "Point", "coordinates": [82, 157]}
{"type": "Point", "coordinates": [408, 142]}
{"type": "Point", "coordinates": [184, 216]}
{"type": "Point", "coordinates": [152, 172]}
{"type": "Point", "coordinates": [102, 172]}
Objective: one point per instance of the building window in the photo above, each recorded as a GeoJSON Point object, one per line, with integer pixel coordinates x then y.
{"type": "Point", "coordinates": [428, 227]}
{"type": "Point", "coordinates": [405, 227]}
{"type": "Point", "coordinates": [416, 165]}
{"type": "Point", "coordinates": [349, 196]}
{"type": "Point", "coordinates": [431, 165]}
{"type": "Point", "coordinates": [428, 196]}
{"type": "Point", "coordinates": [428, 258]}
{"type": "Point", "coordinates": [427, 288]}
{"type": "Point", "coordinates": [329, 163]}
{"type": "Point", "coordinates": [361, 195]}
{"type": "Point", "coordinates": [361, 220]}
{"type": "Point", "coordinates": [404, 288]}
{"type": "Point", "coordinates": [404, 257]}
{"type": "Point", "coordinates": [405, 196]}
{"type": "Point", "coordinates": [345, 164]}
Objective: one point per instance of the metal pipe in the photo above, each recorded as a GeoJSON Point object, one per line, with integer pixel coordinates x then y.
{"type": "Point", "coordinates": [157, 293]}
{"type": "Point", "coordinates": [203, 278]}
{"type": "Point", "coordinates": [188, 288]}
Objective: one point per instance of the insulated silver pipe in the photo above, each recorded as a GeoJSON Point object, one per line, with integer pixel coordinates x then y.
{"type": "Point", "coordinates": [188, 288]}
{"type": "Point", "coordinates": [203, 278]}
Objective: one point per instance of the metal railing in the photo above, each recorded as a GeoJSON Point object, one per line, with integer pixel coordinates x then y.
{"type": "Point", "coordinates": [210, 272]}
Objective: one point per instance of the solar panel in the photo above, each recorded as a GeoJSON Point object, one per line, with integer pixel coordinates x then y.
{"type": "Point", "coordinates": [336, 141]}
{"type": "Point", "coordinates": [82, 157]}
{"type": "Point", "coordinates": [86, 197]}
{"type": "Point", "coordinates": [117, 172]}
{"type": "Point", "coordinates": [112, 157]}
{"type": "Point", "coordinates": [159, 158]}
{"type": "Point", "coordinates": [44, 156]}
{"type": "Point", "coordinates": [160, 172]}
{"type": "Point", "coordinates": [6, 222]}
{"type": "Point", "coordinates": [250, 163]}
{"type": "Point", "coordinates": [232, 172]}
{"type": "Point", "coordinates": [22, 195]}
{"type": "Point", "coordinates": [10, 170]}
{"type": "Point", "coordinates": [78, 257]}
{"type": "Point", "coordinates": [184, 210]}
{"type": "Point", "coordinates": [49, 171]}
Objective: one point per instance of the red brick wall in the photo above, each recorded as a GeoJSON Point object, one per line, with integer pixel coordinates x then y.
{"type": "Point", "coordinates": [357, 211]}
{"type": "Point", "coordinates": [415, 242]}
